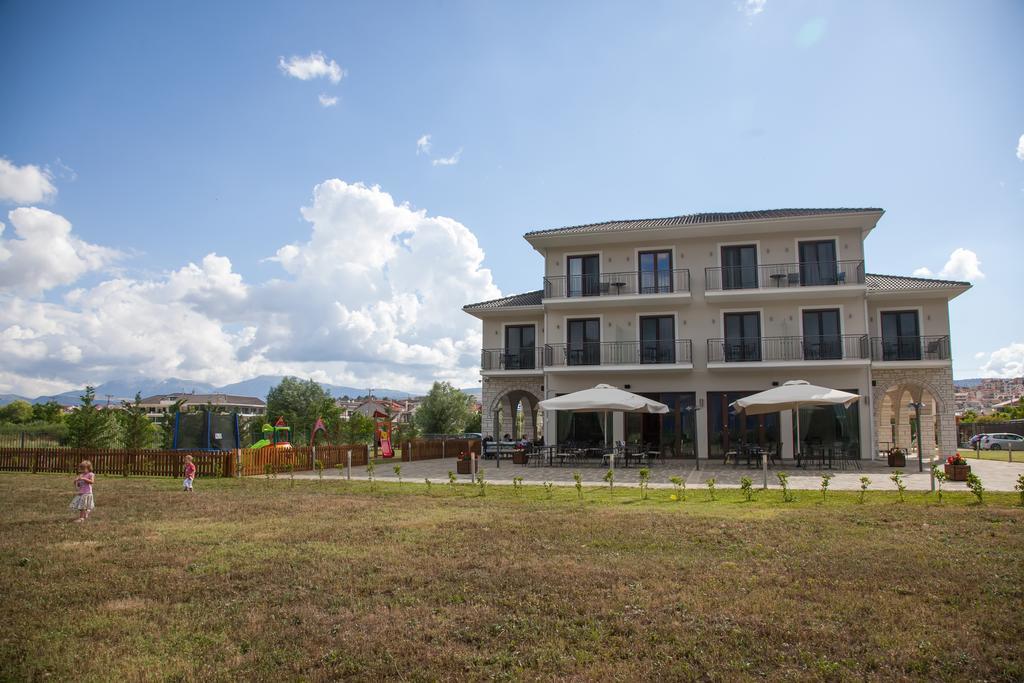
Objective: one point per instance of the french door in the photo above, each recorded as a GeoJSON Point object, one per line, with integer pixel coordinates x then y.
{"type": "Point", "coordinates": [742, 336]}
{"type": "Point", "coordinates": [822, 340]}
{"type": "Point", "coordinates": [583, 275]}
{"type": "Point", "coordinates": [584, 347]}
{"type": "Point", "coordinates": [901, 335]}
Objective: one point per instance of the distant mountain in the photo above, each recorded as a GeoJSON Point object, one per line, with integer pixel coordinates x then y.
{"type": "Point", "coordinates": [473, 391]}
{"type": "Point", "coordinates": [259, 386]}
{"type": "Point", "coordinates": [967, 383]}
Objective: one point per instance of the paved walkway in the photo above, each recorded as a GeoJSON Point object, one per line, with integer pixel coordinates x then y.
{"type": "Point", "coordinates": [996, 476]}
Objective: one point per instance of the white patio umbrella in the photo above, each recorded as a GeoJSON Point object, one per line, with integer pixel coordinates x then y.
{"type": "Point", "coordinates": [603, 398]}
{"type": "Point", "coordinates": [792, 395]}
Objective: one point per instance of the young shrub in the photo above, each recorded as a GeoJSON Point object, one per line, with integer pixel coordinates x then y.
{"type": "Point", "coordinates": [451, 482]}
{"type": "Point", "coordinates": [680, 485]}
{"type": "Point", "coordinates": [940, 478]}
{"type": "Point", "coordinates": [787, 494]}
{"type": "Point", "coordinates": [480, 481]}
{"type": "Point", "coordinates": [645, 478]}
{"type": "Point", "coordinates": [290, 469]}
{"type": "Point", "coordinates": [825, 481]}
{"type": "Point", "coordinates": [579, 484]}
{"type": "Point", "coordinates": [397, 469]}
{"type": "Point", "coordinates": [747, 486]}
{"type": "Point", "coordinates": [370, 470]}
{"type": "Point", "coordinates": [1020, 488]}
{"type": "Point", "coordinates": [865, 482]}
{"type": "Point", "coordinates": [517, 485]}
{"type": "Point", "coordinates": [976, 487]}
{"type": "Point", "coordinates": [426, 480]}
{"type": "Point", "coordinates": [268, 470]}
{"type": "Point", "coordinates": [901, 486]}
{"type": "Point", "coordinates": [609, 477]}
{"type": "Point", "coordinates": [710, 483]}
{"type": "Point", "coordinates": [318, 465]}
{"type": "Point", "coordinates": [549, 489]}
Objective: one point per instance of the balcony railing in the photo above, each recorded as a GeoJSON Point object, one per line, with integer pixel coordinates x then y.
{"type": "Point", "coordinates": [783, 275]}
{"type": "Point", "coordinates": [759, 349]}
{"type": "Point", "coordinates": [667, 352]}
{"type": "Point", "coordinates": [910, 348]}
{"type": "Point", "coordinates": [517, 359]}
{"type": "Point", "coordinates": [616, 284]}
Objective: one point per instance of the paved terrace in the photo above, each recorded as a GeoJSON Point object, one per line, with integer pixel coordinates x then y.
{"type": "Point", "coordinates": [996, 476]}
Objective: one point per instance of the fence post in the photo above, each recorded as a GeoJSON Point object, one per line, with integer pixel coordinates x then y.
{"type": "Point", "coordinates": [35, 462]}
{"type": "Point", "coordinates": [443, 442]}
{"type": "Point", "coordinates": [348, 468]}
{"type": "Point", "coordinates": [1011, 451]}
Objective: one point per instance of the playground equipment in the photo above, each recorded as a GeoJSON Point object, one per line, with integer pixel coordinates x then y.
{"type": "Point", "coordinates": [205, 430]}
{"type": "Point", "coordinates": [278, 435]}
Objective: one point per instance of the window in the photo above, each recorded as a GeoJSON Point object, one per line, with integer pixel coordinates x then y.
{"type": "Point", "coordinates": [583, 275]}
{"type": "Point", "coordinates": [822, 340]}
{"type": "Point", "coordinates": [742, 336]}
{"type": "Point", "coordinates": [901, 336]}
{"type": "Point", "coordinates": [657, 339]}
{"type": "Point", "coordinates": [584, 347]}
{"type": "Point", "coordinates": [655, 272]}
{"type": "Point", "coordinates": [520, 342]}
{"type": "Point", "coordinates": [739, 267]}
{"type": "Point", "coordinates": [818, 263]}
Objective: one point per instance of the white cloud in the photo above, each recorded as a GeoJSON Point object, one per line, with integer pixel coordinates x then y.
{"type": "Point", "coordinates": [423, 144]}
{"type": "Point", "coordinates": [316, 65]}
{"type": "Point", "coordinates": [326, 101]}
{"type": "Point", "coordinates": [963, 264]}
{"type": "Point", "coordinates": [44, 253]}
{"type": "Point", "coordinates": [1020, 148]}
{"type": "Point", "coordinates": [448, 161]}
{"type": "Point", "coordinates": [752, 7]}
{"type": "Point", "coordinates": [373, 295]}
{"type": "Point", "coordinates": [1005, 362]}
{"type": "Point", "coordinates": [25, 184]}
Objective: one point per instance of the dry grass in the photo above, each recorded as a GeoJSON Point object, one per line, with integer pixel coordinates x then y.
{"type": "Point", "coordinates": [265, 581]}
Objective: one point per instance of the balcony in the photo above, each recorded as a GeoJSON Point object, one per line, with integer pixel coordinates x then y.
{"type": "Point", "coordinates": [520, 361]}
{"type": "Point", "coordinates": [822, 350]}
{"type": "Point", "coordinates": [915, 350]}
{"type": "Point", "coordinates": [626, 355]}
{"type": "Point", "coordinates": [610, 287]}
{"type": "Point", "coordinates": [782, 280]}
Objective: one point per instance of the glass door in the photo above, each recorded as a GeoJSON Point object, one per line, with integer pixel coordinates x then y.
{"type": "Point", "coordinates": [822, 340]}
{"type": "Point", "coordinates": [739, 267]}
{"type": "Point", "coordinates": [584, 347]}
{"type": "Point", "coordinates": [901, 336]}
{"type": "Point", "coordinates": [657, 339]}
{"type": "Point", "coordinates": [520, 344]}
{"type": "Point", "coordinates": [818, 263]}
{"type": "Point", "coordinates": [583, 275]}
{"type": "Point", "coordinates": [655, 272]}
{"type": "Point", "coordinates": [742, 336]}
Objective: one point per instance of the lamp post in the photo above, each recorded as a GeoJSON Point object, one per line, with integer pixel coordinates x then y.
{"type": "Point", "coordinates": [917, 405]}
{"type": "Point", "coordinates": [696, 442]}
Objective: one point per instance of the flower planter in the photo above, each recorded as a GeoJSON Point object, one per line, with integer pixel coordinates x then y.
{"type": "Point", "coordinates": [897, 458]}
{"type": "Point", "coordinates": [464, 466]}
{"type": "Point", "coordinates": [957, 472]}
{"type": "Point", "coordinates": [519, 457]}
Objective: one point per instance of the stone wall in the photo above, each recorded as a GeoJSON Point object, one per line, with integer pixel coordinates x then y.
{"type": "Point", "coordinates": [915, 383]}
{"type": "Point", "coordinates": [498, 394]}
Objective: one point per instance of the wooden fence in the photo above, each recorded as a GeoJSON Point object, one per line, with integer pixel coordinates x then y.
{"type": "Point", "coordinates": [139, 463]}
{"type": "Point", "coordinates": [432, 449]}
{"type": "Point", "coordinates": [256, 460]}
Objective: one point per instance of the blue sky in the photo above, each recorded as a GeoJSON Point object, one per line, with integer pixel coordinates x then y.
{"type": "Point", "coordinates": [171, 131]}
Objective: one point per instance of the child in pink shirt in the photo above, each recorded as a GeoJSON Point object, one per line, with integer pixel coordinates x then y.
{"type": "Point", "coordinates": [83, 502]}
{"type": "Point", "coordinates": [190, 474]}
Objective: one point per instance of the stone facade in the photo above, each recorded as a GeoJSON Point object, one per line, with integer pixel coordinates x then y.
{"type": "Point", "coordinates": [895, 388]}
{"type": "Point", "coordinates": [499, 397]}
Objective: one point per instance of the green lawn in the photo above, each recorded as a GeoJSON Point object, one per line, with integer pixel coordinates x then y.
{"type": "Point", "coordinates": [262, 580]}
{"type": "Point", "coordinates": [1001, 456]}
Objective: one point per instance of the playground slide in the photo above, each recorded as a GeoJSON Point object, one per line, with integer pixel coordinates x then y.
{"type": "Point", "coordinates": [262, 443]}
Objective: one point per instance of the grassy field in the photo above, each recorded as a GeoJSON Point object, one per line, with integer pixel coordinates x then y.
{"type": "Point", "coordinates": [1001, 456]}
{"type": "Point", "coordinates": [261, 580]}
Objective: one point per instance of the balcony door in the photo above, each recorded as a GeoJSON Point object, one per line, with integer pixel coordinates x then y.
{"type": "Point", "coordinates": [742, 336]}
{"type": "Point", "coordinates": [655, 272]}
{"type": "Point", "coordinates": [520, 345]}
{"type": "Point", "coordinates": [818, 263]}
{"type": "Point", "coordinates": [584, 347]}
{"type": "Point", "coordinates": [901, 335]}
{"type": "Point", "coordinates": [822, 340]}
{"type": "Point", "coordinates": [583, 275]}
{"type": "Point", "coordinates": [739, 267]}
{"type": "Point", "coordinates": [657, 339]}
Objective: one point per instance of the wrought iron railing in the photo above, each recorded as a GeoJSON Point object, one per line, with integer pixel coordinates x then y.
{"type": "Point", "coordinates": [933, 347]}
{"type": "Point", "coordinates": [661, 352]}
{"type": "Point", "coordinates": [617, 284]}
{"type": "Point", "coordinates": [512, 359]}
{"type": "Point", "coordinates": [758, 349]}
{"type": "Point", "coordinates": [783, 275]}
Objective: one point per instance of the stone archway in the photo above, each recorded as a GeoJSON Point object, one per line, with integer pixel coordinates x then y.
{"type": "Point", "coordinates": [894, 390]}
{"type": "Point", "coordinates": [502, 398]}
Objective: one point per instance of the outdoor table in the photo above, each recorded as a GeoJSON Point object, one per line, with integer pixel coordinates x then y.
{"type": "Point", "coordinates": [618, 286]}
{"type": "Point", "coordinates": [777, 278]}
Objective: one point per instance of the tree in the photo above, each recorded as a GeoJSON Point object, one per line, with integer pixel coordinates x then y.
{"type": "Point", "coordinates": [475, 423]}
{"type": "Point", "coordinates": [137, 430]}
{"type": "Point", "coordinates": [300, 403]}
{"type": "Point", "coordinates": [90, 427]}
{"type": "Point", "coordinates": [50, 412]}
{"type": "Point", "coordinates": [444, 410]}
{"type": "Point", "coordinates": [17, 412]}
{"type": "Point", "coordinates": [167, 421]}
{"type": "Point", "coordinates": [356, 429]}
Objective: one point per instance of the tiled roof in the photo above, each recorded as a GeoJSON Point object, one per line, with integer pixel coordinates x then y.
{"type": "Point", "coordinates": [694, 219]}
{"type": "Point", "coordinates": [203, 399]}
{"type": "Point", "coordinates": [897, 283]}
{"type": "Point", "coordinates": [524, 299]}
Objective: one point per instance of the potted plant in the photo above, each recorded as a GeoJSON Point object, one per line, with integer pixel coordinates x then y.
{"type": "Point", "coordinates": [897, 457]}
{"type": "Point", "coordinates": [519, 456]}
{"type": "Point", "coordinates": [957, 468]}
{"type": "Point", "coordinates": [464, 465]}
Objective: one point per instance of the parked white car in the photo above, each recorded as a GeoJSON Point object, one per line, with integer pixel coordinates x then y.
{"type": "Point", "coordinates": [1002, 442]}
